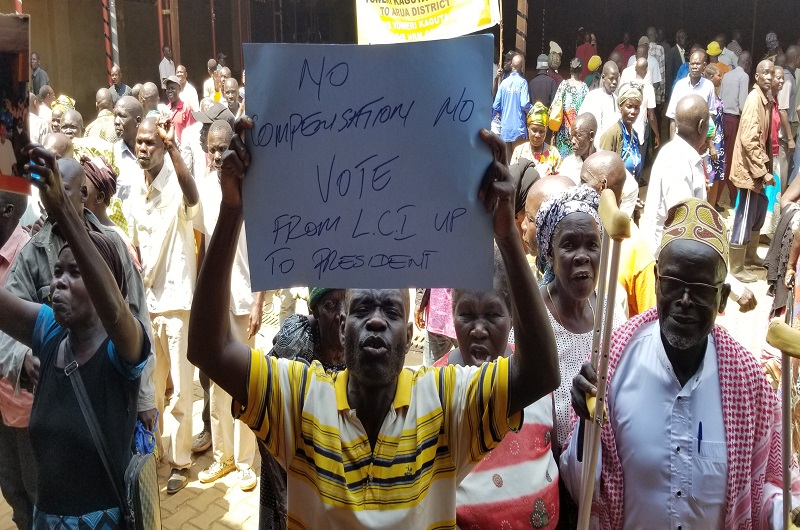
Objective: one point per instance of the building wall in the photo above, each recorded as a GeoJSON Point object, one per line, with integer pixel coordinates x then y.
{"type": "Point", "coordinates": [139, 53]}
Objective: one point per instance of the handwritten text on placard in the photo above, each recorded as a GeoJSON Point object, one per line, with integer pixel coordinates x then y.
{"type": "Point", "coordinates": [366, 164]}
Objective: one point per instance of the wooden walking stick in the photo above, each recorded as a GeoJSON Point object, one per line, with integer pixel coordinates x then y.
{"type": "Point", "coordinates": [617, 226]}
{"type": "Point", "coordinates": [782, 336]}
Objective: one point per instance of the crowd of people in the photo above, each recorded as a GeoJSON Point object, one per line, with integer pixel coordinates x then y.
{"type": "Point", "coordinates": [129, 267]}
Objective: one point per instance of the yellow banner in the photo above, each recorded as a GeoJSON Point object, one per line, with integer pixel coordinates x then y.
{"type": "Point", "coordinates": [390, 21]}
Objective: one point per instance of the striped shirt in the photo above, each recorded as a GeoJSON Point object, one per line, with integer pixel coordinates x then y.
{"type": "Point", "coordinates": [442, 422]}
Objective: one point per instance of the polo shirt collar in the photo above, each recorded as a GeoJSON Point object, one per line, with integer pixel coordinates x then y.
{"type": "Point", "coordinates": [402, 395]}
{"type": "Point", "coordinates": [178, 106]}
{"type": "Point", "coordinates": [700, 82]}
{"type": "Point", "coordinates": [160, 181]}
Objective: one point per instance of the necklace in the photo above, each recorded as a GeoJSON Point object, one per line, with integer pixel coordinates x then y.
{"type": "Point", "coordinates": [558, 315]}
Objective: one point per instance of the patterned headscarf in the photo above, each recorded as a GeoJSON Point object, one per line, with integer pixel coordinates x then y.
{"type": "Point", "coordinates": [631, 90]}
{"type": "Point", "coordinates": [63, 103]}
{"type": "Point", "coordinates": [101, 174]}
{"type": "Point", "coordinates": [696, 220]}
{"type": "Point", "coordinates": [577, 199]}
{"type": "Point", "coordinates": [772, 41]}
{"type": "Point", "coordinates": [537, 115]}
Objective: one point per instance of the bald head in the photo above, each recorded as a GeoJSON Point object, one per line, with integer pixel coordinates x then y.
{"type": "Point", "coordinates": [103, 100]}
{"type": "Point", "coordinates": [58, 143]}
{"type": "Point", "coordinates": [72, 124]}
{"type": "Point", "coordinates": [128, 114]}
{"type": "Point", "coordinates": [641, 67]}
{"type": "Point", "coordinates": [517, 63]}
{"type": "Point", "coordinates": [764, 73]}
{"type": "Point", "coordinates": [691, 121]}
{"type": "Point", "coordinates": [539, 192]}
{"type": "Point", "coordinates": [582, 133]}
{"type": "Point", "coordinates": [610, 77]}
{"type": "Point", "coordinates": [616, 58]}
{"type": "Point", "coordinates": [74, 178]}
{"type": "Point", "coordinates": [585, 122]}
{"type": "Point", "coordinates": [604, 169]}
{"type": "Point", "coordinates": [148, 96]}
{"type": "Point", "coordinates": [12, 206]}
{"type": "Point", "coordinates": [745, 61]}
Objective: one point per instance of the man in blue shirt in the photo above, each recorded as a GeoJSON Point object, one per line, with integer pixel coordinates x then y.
{"type": "Point", "coordinates": [512, 103]}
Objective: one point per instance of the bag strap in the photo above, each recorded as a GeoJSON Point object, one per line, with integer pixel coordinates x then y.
{"type": "Point", "coordinates": [74, 376]}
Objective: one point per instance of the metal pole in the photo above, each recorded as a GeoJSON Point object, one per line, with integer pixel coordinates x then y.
{"type": "Point", "coordinates": [107, 38]}
{"type": "Point", "coordinates": [213, 31]}
{"type": "Point", "coordinates": [112, 11]}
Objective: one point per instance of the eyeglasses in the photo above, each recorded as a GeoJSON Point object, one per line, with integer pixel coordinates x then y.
{"type": "Point", "coordinates": [701, 294]}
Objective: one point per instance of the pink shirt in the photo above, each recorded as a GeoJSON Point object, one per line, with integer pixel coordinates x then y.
{"type": "Point", "coordinates": [776, 127]}
{"type": "Point", "coordinates": [440, 313]}
{"type": "Point", "coordinates": [181, 118]}
{"type": "Point", "coordinates": [14, 410]}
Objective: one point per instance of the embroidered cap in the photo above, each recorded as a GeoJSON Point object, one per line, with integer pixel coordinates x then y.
{"type": "Point", "coordinates": [696, 220]}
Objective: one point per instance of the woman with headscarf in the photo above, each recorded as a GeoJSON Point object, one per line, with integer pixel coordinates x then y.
{"type": "Point", "coordinates": [101, 186]}
{"type": "Point", "coordinates": [545, 159]}
{"type": "Point", "coordinates": [568, 231]}
{"type": "Point", "coordinates": [569, 235]}
{"type": "Point", "coordinates": [715, 160]}
{"type": "Point", "coordinates": [569, 96]}
{"type": "Point", "coordinates": [622, 138]}
{"type": "Point", "coordinates": [60, 106]}
{"type": "Point", "coordinates": [482, 323]}
{"type": "Point", "coordinates": [89, 333]}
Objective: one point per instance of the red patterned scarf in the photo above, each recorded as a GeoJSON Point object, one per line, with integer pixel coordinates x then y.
{"type": "Point", "coordinates": [752, 418]}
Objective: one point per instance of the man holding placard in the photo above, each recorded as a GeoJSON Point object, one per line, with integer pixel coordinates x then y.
{"type": "Point", "coordinates": [376, 446]}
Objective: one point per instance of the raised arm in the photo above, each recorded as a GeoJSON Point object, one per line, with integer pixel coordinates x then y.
{"type": "Point", "coordinates": [122, 327]}
{"type": "Point", "coordinates": [167, 132]}
{"type": "Point", "coordinates": [212, 346]}
{"type": "Point", "coordinates": [534, 368]}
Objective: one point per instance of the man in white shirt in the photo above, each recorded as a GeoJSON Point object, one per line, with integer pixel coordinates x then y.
{"type": "Point", "coordinates": [642, 50]}
{"type": "Point", "coordinates": [694, 83]}
{"type": "Point", "coordinates": [188, 93]}
{"type": "Point", "coordinates": [682, 447]}
{"type": "Point", "coordinates": [245, 312]}
{"type": "Point", "coordinates": [657, 52]}
{"type": "Point", "coordinates": [678, 171]}
{"type": "Point", "coordinates": [733, 92]}
{"type": "Point", "coordinates": [128, 114]}
{"type": "Point", "coordinates": [602, 102]}
{"type": "Point", "coordinates": [165, 200]}
{"type": "Point", "coordinates": [166, 67]}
